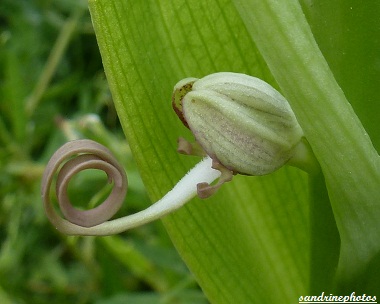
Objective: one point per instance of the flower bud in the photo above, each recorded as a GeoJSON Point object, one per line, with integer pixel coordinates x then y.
{"type": "Point", "coordinates": [240, 121]}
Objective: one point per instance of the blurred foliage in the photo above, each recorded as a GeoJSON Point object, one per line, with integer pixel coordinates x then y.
{"type": "Point", "coordinates": [53, 89]}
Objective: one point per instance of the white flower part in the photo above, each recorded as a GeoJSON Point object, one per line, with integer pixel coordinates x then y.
{"type": "Point", "coordinates": [240, 121]}
{"type": "Point", "coordinates": [182, 192]}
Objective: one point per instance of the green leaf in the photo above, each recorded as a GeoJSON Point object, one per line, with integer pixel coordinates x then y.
{"type": "Point", "coordinates": [345, 32]}
{"type": "Point", "coordinates": [250, 242]}
{"type": "Point", "coordinates": [350, 163]}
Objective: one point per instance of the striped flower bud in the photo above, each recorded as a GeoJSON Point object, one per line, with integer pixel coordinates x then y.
{"type": "Point", "coordinates": [240, 121]}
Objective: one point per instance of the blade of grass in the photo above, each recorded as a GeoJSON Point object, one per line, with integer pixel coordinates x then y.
{"type": "Point", "coordinates": [54, 58]}
{"type": "Point", "coordinates": [14, 93]}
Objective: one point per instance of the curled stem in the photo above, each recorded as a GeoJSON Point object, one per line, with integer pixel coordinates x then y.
{"type": "Point", "coordinates": [91, 155]}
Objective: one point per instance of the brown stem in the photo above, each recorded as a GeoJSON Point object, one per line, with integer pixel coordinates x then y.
{"type": "Point", "coordinates": [88, 155]}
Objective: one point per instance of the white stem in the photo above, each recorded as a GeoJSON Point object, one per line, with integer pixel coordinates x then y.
{"type": "Point", "coordinates": [182, 192]}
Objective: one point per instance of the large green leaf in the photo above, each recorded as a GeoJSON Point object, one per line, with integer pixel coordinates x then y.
{"type": "Point", "coordinates": [350, 163]}
{"type": "Point", "coordinates": [250, 242]}
{"type": "Point", "coordinates": [346, 32]}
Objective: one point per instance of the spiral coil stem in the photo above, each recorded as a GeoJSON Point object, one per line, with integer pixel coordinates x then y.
{"type": "Point", "coordinates": [79, 155]}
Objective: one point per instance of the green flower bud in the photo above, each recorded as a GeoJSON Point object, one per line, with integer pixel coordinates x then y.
{"type": "Point", "coordinates": [240, 121]}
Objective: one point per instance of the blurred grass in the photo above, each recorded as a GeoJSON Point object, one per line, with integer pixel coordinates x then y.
{"type": "Point", "coordinates": [53, 89]}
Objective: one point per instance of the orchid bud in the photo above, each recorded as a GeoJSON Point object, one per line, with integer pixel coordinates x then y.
{"type": "Point", "coordinates": [243, 125]}
{"type": "Point", "coordinates": [240, 121]}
